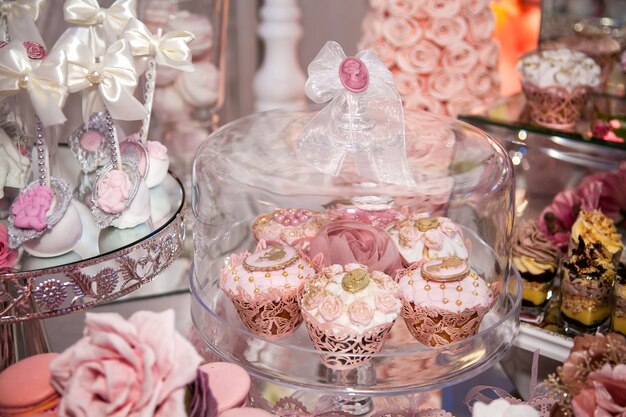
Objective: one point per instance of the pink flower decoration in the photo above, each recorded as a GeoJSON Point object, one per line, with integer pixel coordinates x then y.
{"type": "Point", "coordinates": [30, 208]}
{"type": "Point", "coordinates": [345, 241]}
{"type": "Point", "coordinates": [8, 256]}
{"type": "Point", "coordinates": [35, 50]}
{"type": "Point", "coordinates": [612, 200]}
{"type": "Point", "coordinates": [605, 395]}
{"type": "Point", "coordinates": [156, 150]}
{"type": "Point", "coordinates": [434, 239]}
{"type": "Point", "coordinates": [360, 313]}
{"type": "Point", "coordinates": [113, 191]}
{"type": "Point", "coordinates": [386, 302]}
{"type": "Point", "coordinates": [133, 368]}
{"type": "Point", "coordinates": [330, 308]}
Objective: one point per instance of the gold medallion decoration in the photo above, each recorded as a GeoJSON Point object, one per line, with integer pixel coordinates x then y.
{"type": "Point", "coordinates": [273, 258]}
{"type": "Point", "coordinates": [447, 269]}
{"type": "Point", "coordinates": [355, 280]}
{"type": "Point", "coordinates": [427, 223]}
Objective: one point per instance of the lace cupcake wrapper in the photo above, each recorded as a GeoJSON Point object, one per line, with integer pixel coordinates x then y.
{"type": "Point", "coordinates": [345, 350]}
{"type": "Point", "coordinates": [555, 107]}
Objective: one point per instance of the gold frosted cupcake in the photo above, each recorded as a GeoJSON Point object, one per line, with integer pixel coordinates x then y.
{"type": "Point", "coordinates": [537, 259]}
{"type": "Point", "coordinates": [594, 227]}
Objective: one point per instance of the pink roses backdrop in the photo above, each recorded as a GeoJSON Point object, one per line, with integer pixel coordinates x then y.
{"type": "Point", "coordinates": [441, 52]}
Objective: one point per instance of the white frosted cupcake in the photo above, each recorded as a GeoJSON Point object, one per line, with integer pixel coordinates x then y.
{"type": "Point", "coordinates": [443, 300]}
{"type": "Point", "coordinates": [348, 310]}
{"type": "Point", "coordinates": [264, 287]}
{"type": "Point", "coordinates": [422, 237]}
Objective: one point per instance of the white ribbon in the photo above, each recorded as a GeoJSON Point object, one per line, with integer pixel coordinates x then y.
{"type": "Point", "coordinates": [107, 82]}
{"type": "Point", "coordinates": [170, 50]}
{"type": "Point", "coordinates": [102, 26]}
{"type": "Point", "coordinates": [367, 125]}
{"type": "Point", "coordinates": [21, 16]}
{"type": "Point", "coordinates": [42, 80]}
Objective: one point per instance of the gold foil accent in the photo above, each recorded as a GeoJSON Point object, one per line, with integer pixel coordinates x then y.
{"type": "Point", "coordinates": [355, 280]}
{"type": "Point", "coordinates": [272, 254]}
{"type": "Point", "coordinates": [427, 223]}
{"type": "Point", "coordinates": [432, 272]}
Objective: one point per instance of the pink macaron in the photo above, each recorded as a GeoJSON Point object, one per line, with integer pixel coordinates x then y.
{"type": "Point", "coordinates": [229, 384]}
{"type": "Point", "coordinates": [245, 412]}
{"type": "Point", "coordinates": [25, 387]}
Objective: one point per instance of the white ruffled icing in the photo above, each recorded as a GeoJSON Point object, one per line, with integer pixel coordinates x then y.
{"type": "Point", "coordinates": [559, 67]}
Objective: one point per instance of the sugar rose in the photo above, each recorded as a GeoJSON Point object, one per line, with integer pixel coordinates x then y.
{"type": "Point", "coordinates": [343, 242]}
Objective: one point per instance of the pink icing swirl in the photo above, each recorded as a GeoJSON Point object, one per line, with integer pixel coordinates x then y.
{"type": "Point", "coordinates": [330, 308]}
{"type": "Point", "coordinates": [421, 58]}
{"type": "Point", "coordinates": [8, 256]}
{"type": "Point", "coordinates": [444, 85]}
{"type": "Point", "coordinates": [401, 32]}
{"type": "Point", "coordinates": [386, 302]}
{"type": "Point", "coordinates": [30, 208]}
{"type": "Point", "coordinates": [446, 31]}
{"type": "Point", "coordinates": [360, 313]}
{"type": "Point", "coordinates": [460, 57]}
{"type": "Point", "coordinates": [442, 8]}
{"type": "Point", "coordinates": [113, 191]}
{"type": "Point", "coordinates": [35, 51]}
{"type": "Point", "coordinates": [156, 150]}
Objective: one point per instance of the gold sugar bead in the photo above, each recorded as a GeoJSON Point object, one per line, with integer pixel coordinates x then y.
{"type": "Point", "coordinates": [445, 301]}
{"type": "Point", "coordinates": [267, 275]}
{"type": "Point", "coordinates": [474, 292]}
{"type": "Point", "coordinates": [251, 279]}
{"type": "Point", "coordinates": [427, 287]}
{"type": "Point", "coordinates": [300, 276]}
{"type": "Point", "coordinates": [442, 286]}
{"type": "Point", "coordinates": [459, 288]}
{"type": "Point", "coordinates": [285, 273]}
{"type": "Point", "coordinates": [256, 290]}
{"type": "Point", "coordinates": [475, 284]}
{"type": "Point", "coordinates": [300, 266]}
{"type": "Point", "coordinates": [459, 302]}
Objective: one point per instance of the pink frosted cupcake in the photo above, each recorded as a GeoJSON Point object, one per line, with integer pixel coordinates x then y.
{"type": "Point", "coordinates": [292, 227]}
{"type": "Point", "coordinates": [266, 284]}
{"type": "Point", "coordinates": [349, 310]}
{"type": "Point", "coordinates": [443, 300]}
{"type": "Point", "coordinates": [422, 237]}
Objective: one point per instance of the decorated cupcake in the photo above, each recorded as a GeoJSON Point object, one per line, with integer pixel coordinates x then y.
{"type": "Point", "coordinates": [594, 227]}
{"type": "Point", "coordinates": [618, 321]}
{"type": "Point", "coordinates": [587, 281]}
{"type": "Point", "coordinates": [349, 310]}
{"type": "Point", "coordinates": [266, 284]}
{"type": "Point", "coordinates": [422, 237]}
{"type": "Point", "coordinates": [537, 260]}
{"type": "Point", "coordinates": [443, 300]}
{"type": "Point", "coordinates": [292, 227]}
{"type": "Point", "coordinates": [557, 85]}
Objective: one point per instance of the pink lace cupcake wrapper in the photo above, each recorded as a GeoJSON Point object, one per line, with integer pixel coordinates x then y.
{"type": "Point", "coordinates": [554, 106]}
{"type": "Point", "coordinates": [273, 315]}
{"type": "Point", "coordinates": [355, 348]}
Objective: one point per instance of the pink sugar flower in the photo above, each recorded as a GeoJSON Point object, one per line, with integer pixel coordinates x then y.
{"type": "Point", "coordinates": [30, 208]}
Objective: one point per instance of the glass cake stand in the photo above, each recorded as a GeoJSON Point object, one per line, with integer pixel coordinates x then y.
{"type": "Point", "coordinates": [105, 265]}
{"type": "Point", "coordinates": [255, 165]}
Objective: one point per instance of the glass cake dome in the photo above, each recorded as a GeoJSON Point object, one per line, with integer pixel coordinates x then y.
{"type": "Point", "coordinates": [257, 165]}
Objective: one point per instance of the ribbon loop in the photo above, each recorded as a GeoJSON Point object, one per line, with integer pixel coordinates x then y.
{"type": "Point", "coordinates": [21, 16]}
{"type": "Point", "coordinates": [42, 80]}
{"type": "Point", "coordinates": [107, 82]}
{"type": "Point", "coordinates": [364, 118]}
{"type": "Point", "coordinates": [171, 49]}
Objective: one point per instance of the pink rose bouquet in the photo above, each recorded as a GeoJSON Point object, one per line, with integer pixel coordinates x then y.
{"type": "Point", "coordinates": [134, 368]}
{"type": "Point", "coordinates": [346, 241]}
{"type": "Point", "coordinates": [8, 256]}
{"type": "Point", "coordinates": [30, 208]}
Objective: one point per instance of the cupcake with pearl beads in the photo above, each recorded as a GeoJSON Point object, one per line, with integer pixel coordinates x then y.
{"type": "Point", "coordinates": [292, 227]}
{"type": "Point", "coordinates": [264, 288]}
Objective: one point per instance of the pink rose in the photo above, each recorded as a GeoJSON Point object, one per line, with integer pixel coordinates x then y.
{"type": "Point", "coordinates": [488, 54]}
{"type": "Point", "coordinates": [393, 287]}
{"type": "Point", "coordinates": [482, 82]}
{"type": "Point", "coordinates": [473, 7]}
{"type": "Point", "coordinates": [113, 191]}
{"type": "Point", "coordinates": [387, 303]}
{"type": "Point", "coordinates": [372, 29]}
{"type": "Point", "coordinates": [421, 58]}
{"type": "Point", "coordinates": [408, 83]}
{"type": "Point", "coordinates": [312, 299]}
{"type": "Point", "coordinates": [30, 208]}
{"type": "Point", "coordinates": [8, 256]}
{"type": "Point", "coordinates": [422, 101]}
{"type": "Point", "coordinates": [446, 31]}
{"type": "Point", "coordinates": [605, 395]}
{"type": "Point", "coordinates": [385, 52]}
{"type": "Point", "coordinates": [400, 31]}
{"type": "Point", "coordinates": [462, 104]}
{"type": "Point", "coordinates": [360, 313]}
{"type": "Point", "coordinates": [330, 308]}
{"type": "Point", "coordinates": [444, 85]}
{"type": "Point", "coordinates": [460, 58]}
{"type": "Point", "coordinates": [35, 50]}
{"type": "Point", "coordinates": [156, 150]}
{"type": "Point", "coordinates": [402, 8]}
{"type": "Point", "coordinates": [133, 368]}
{"type": "Point", "coordinates": [346, 241]}
{"type": "Point", "coordinates": [442, 8]}
{"type": "Point", "coordinates": [481, 27]}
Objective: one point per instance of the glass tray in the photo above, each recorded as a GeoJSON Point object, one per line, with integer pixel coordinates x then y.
{"type": "Point", "coordinates": [105, 265]}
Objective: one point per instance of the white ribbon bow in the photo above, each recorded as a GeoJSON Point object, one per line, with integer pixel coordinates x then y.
{"type": "Point", "coordinates": [107, 82]}
{"type": "Point", "coordinates": [103, 25]}
{"type": "Point", "coordinates": [170, 50]}
{"type": "Point", "coordinates": [368, 125]}
{"type": "Point", "coordinates": [42, 80]}
{"type": "Point", "coordinates": [21, 16]}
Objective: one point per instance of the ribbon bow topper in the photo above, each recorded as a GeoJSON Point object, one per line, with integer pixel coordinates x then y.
{"type": "Point", "coordinates": [20, 16]}
{"type": "Point", "coordinates": [364, 118]}
{"type": "Point", "coordinates": [107, 82]}
{"type": "Point", "coordinates": [43, 80]}
{"type": "Point", "coordinates": [170, 49]}
{"type": "Point", "coordinates": [103, 26]}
